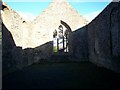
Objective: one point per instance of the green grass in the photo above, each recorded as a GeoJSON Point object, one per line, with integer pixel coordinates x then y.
{"type": "Point", "coordinates": [55, 49]}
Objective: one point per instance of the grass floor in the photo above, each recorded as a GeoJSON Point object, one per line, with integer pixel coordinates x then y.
{"type": "Point", "coordinates": [62, 75]}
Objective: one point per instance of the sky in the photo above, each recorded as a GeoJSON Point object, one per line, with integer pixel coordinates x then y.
{"type": "Point", "coordinates": [30, 9]}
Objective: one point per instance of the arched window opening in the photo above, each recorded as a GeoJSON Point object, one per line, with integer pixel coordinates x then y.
{"type": "Point", "coordinates": [60, 40]}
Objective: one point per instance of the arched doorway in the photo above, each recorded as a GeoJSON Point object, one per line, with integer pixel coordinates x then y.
{"type": "Point", "coordinates": [61, 38]}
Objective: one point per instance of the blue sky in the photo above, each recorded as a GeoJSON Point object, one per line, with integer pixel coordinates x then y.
{"type": "Point", "coordinates": [32, 9]}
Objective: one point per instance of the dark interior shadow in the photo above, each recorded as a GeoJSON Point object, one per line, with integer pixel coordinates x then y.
{"type": "Point", "coordinates": [16, 58]}
{"type": "Point", "coordinates": [39, 75]}
{"type": "Point", "coordinates": [11, 54]}
{"type": "Point", "coordinates": [80, 43]}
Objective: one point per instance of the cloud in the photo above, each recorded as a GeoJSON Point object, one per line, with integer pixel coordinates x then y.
{"type": "Point", "coordinates": [26, 15]}
{"type": "Point", "coordinates": [92, 15]}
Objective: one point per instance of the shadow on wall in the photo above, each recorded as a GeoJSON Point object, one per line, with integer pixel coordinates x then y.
{"type": "Point", "coordinates": [11, 55]}
{"type": "Point", "coordinates": [80, 44]}
{"type": "Point", "coordinates": [103, 38]}
{"type": "Point", "coordinates": [99, 41]}
{"type": "Point", "coordinates": [38, 54]}
{"type": "Point", "coordinates": [16, 58]}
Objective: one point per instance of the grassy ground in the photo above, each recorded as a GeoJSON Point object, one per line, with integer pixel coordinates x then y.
{"type": "Point", "coordinates": [62, 75]}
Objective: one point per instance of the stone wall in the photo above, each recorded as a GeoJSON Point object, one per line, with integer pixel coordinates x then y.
{"type": "Point", "coordinates": [25, 42]}
{"type": "Point", "coordinates": [98, 42]}
{"type": "Point", "coordinates": [39, 54]}
{"type": "Point", "coordinates": [14, 57]}
{"type": "Point", "coordinates": [100, 39]}
{"type": "Point", "coordinates": [0, 61]}
{"type": "Point", "coordinates": [11, 55]}
{"type": "Point", "coordinates": [80, 44]}
{"type": "Point", "coordinates": [31, 34]}
{"type": "Point", "coordinates": [103, 38]}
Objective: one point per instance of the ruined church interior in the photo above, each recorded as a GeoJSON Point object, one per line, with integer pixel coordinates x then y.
{"type": "Point", "coordinates": [60, 48]}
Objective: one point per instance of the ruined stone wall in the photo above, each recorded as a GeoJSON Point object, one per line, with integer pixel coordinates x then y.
{"type": "Point", "coordinates": [80, 44]}
{"type": "Point", "coordinates": [25, 42]}
{"type": "Point", "coordinates": [31, 34]}
{"type": "Point", "coordinates": [0, 47]}
{"type": "Point", "coordinates": [14, 57]}
{"type": "Point", "coordinates": [11, 55]}
{"type": "Point", "coordinates": [99, 41]}
{"type": "Point", "coordinates": [39, 54]}
{"type": "Point", "coordinates": [103, 38]}
{"type": "Point", "coordinates": [19, 28]}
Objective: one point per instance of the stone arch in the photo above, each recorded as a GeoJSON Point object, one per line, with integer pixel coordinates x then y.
{"type": "Point", "coordinates": [65, 35]}
{"type": "Point", "coordinates": [66, 25]}
{"type": "Point", "coordinates": [70, 38]}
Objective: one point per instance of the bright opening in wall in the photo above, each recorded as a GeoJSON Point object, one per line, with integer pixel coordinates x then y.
{"type": "Point", "coordinates": [60, 39]}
